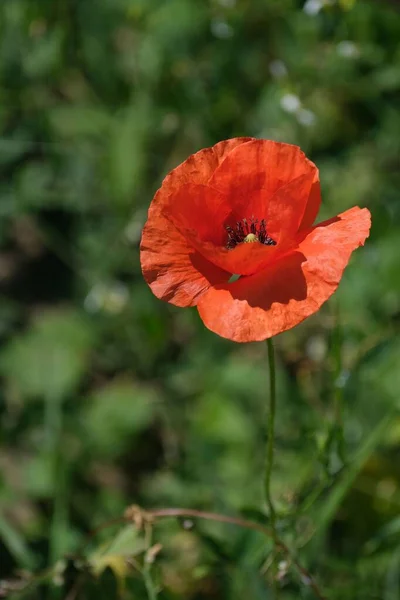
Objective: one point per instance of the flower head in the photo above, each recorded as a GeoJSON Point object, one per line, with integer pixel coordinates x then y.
{"type": "Point", "coordinates": [246, 207]}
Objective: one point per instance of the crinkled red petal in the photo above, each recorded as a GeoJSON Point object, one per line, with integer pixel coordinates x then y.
{"type": "Point", "coordinates": [201, 213]}
{"type": "Point", "coordinates": [289, 290]}
{"type": "Point", "coordinates": [313, 204]}
{"type": "Point", "coordinates": [172, 267]}
{"type": "Point", "coordinates": [174, 270]}
{"type": "Point", "coordinates": [260, 164]}
{"type": "Point", "coordinates": [198, 168]}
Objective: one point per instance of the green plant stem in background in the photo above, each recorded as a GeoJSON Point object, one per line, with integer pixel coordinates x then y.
{"type": "Point", "coordinates": [59, 520]}
{"type": "Point", "coordinates": [338, 386]}
{"type": "Point", "coordinates": [151, 592]}
{"type": "Point", "coordinates": [150, 589]}
{"type": "Point", "coordinates": [17, 544]}
{"type": "Point", "coordinates": [54, 428]}
{"type": "Point", "coordinates": [146, 572]}
{"type": "Point", "coordinates": [271, 434]}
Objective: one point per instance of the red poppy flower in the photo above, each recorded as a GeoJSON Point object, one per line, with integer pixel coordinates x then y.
{"type": "Point", "coordinates": [246, 207]}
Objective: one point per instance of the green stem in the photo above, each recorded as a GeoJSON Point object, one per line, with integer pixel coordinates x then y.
{"type": "Point", "coordinates": [271, 435]}
{"type": "Point", "coordinates": [151, 592]}
{"type": "Point", "coordinates": [146, 572]}
{"type": "Point", "coordinates": [54, 418]}
{"type": "Point", "coordinates": [338, 390]}
{"type": "Point", "coordinates": [270, 461]}
{"type": "Point", "coordinates": [59, 519]}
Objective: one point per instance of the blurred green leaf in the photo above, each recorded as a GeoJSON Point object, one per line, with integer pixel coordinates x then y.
{"type": "Point", "coordinates": [45, 54]}
{"type": "Point", "coordinates": [116, 414]}
{"type": "Point", "coordinates": [127, 150]}
{"type": "Point", "coordinates": [15, 542]}
{"type": "Point", "coordinates": [127, 542]}
{"type": "Point", "coordinates": [79, 121]}
{"type": "Point", "coordinates": [49, 360]}
{"type": "Point", "coordinates": [115, 556]}
{"type": "Point", "coordinates": [347, 4]}
{"type": "Point", "coordinates": [323, 514]}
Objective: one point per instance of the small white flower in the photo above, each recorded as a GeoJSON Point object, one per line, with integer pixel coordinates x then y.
{"type": "Point", "coordinates": [316, 348]}
{"type": "Point", "coordinates": [278, 69]}
{"type": "Point", "coordinates": [290, 103]}
{"type": "Point", "coordinates": [111, 298]}
{"type": "Point", "coordinates": [305, 117]}
{"type": "Point", "coordinates": [342, 379]}
{"type": "Point", "coordinates": [133, 229]}
{"type": "Point", "coordinates": [312, 7]}
{"type": "Point", "coordinates": [221, 29]}
{"type": "Point", "coordinates": [347, 49]}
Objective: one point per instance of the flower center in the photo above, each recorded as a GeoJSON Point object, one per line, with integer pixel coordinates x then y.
{"type": "Point", "coordinates": [248, 231]}
{"type": "Point", "coordinates": [251, 237]}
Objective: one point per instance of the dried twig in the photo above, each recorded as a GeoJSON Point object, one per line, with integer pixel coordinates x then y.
{"type": "Point", "coordinates": [141, 517]}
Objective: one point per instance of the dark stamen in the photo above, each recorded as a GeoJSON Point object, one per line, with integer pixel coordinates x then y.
{"type": "Point", "coordinates": [238, 234]}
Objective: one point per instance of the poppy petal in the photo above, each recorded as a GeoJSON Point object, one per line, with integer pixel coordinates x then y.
{"type": "Point", "coordinates": [286, 208]}
{"type": "Point", "coordinates": [173, 269]}
{"type": "Point", "coordinates": [260, 164]}
{"type": "Point", "coordinates": [200, 211]}
{"type": "Point", "coordinates": [289, 290]}
{"type": "Point", "coordinates": [198, 168]}
{"type": "Point", "coordinates": [313, 204]}
{"type": "Point", "coordinates": [203, 220]}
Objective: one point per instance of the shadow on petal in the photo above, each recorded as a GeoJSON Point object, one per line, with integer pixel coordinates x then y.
{"type": "Point", "coordinates": [281, 282]}
{"type": "Point", "coordinates": [261, 305]}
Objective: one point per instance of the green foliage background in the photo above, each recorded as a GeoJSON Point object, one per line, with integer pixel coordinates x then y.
{"type": "Point", "coordinates": [110, 397]}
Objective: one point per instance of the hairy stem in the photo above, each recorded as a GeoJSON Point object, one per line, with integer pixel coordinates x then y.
{"type": "Point", "coordinates": [270, 458]}
{"type": "Point", "coordinates": [271, 434]}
